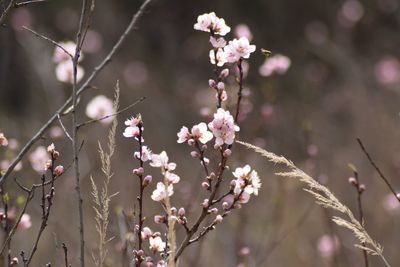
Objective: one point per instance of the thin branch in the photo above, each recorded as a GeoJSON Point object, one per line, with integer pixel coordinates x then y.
{"type": "Point", "coordinates": [63, 127]}
{"type": "Point", "coordinates": [23, 4]}
{"type": "Point", "coordinates": [111, 115]}
{"type": "Point", "coordinates": [83, 87]}
{"type": "Point", "coordinates": [49, 40]}
{"type": "Point", "coordinates": [377, 169]}
{"type": "Point", "coordinates": [65, 254]}
{"type": "Point", "coordinates": [6, 11]}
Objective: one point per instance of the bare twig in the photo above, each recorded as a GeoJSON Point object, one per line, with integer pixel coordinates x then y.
{"type": "Point", "coordinates": [63, 127]}
{"type": "Point", "coordinates": [377, 169]}
{"type": "Point", "coordinates": [239, 94]}
{"type": "Point", "coordinates": [83, 88]}
{"type": "Point", "coordinates": [7, 11]}
{"type": "Point", "coordinates": [111, 115]}
{"type": "Point", "coordinates": [49, 40]}
{"type": "Point", "coordinates": [65, 254]}
{"type": "Point", "coordinates": [22, 4]}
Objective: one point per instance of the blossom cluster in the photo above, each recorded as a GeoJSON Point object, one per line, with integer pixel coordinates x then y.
{"type": "Point", "coordinates": [64, 65]}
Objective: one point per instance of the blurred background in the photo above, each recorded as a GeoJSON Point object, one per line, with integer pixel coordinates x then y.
{"type": "Point", "coordinates": [333, 76]}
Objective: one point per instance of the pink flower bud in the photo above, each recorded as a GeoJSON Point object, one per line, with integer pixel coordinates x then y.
{"type": "Point", "coordinates": [191, 142]}
{"type": "Point", "coordinates": [205, 185]}
{"type": "Point", "coordinates": [146, 233]}
{"type": "Point", "coordinates": [181, 212]}
{"type": "Point", "coordinates": [195, 154]}
{"type": "Point", "coordinates": [362, 188]}
{"type": "Point", "coordinates": [173, 210]}
{"type": "Point", "coordinates": [212, 176]}
{"type": "Point", "coordinates": [139, 171]}
{"type": "Point", "coordinates": [352, 181]}
{"type": "Point", "coordinates": [218, 219]}
{"type": "Point", "coordinates": [56, 154]}
{"type": "Point", "coordinates": [227, 153]}
{"type": "Point", "coordinates": [225, 205]}
{"type": "Point", "coordinates": [214, 210]}
{"type": "Point", "coordinates": [217, 147]}
{"type": "Point", "coordinates": [398, 196]}
{"type": "Point", "coordinates": [221, 86]}
{"type": "Point", "coordinates": [51, 148]}
{"type": "Point", "coordinates": [159, 219]}
{"type": "Point", "coordinates": [224, 73]}
{"type": "Point", "coordinates": [232, 184]}
{"type": "Point", "coordinates": [237, 206]}
{"type": "Point", "coordinates": [140, 253]}
{"type": "Point", "coordinates": [58, 170]}
{"type": "Point", "coordinates": [204, 148]}
{"type": "Point", "coordinates": [205, 203]}
{"type": "Point", "coordinates": [211, 83]}
{"type": "Point", "coordinates": [147, 180]}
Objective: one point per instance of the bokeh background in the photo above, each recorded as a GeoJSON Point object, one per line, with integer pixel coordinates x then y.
{"type": "Point", "coordinates": [343, 83]}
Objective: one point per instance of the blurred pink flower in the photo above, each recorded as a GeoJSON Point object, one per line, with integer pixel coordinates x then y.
{"type": "Point", "coordinates": [387, 71]}
{"type": "Point", "coordinates": [275, 64]}
{"type": "Point", "coordinates": [390, 203]}
{"type": "Point", "coordinates": [237, 49]}
{"type": "Point", "coordinates": [93, 42]}
{"type": "Point", "coordinates": [38, 159]}
{"type": "Point", "coordinates": [316, 32]}
{"type": "Point", "coordinates": [4, 164]}
{"type": "Point", "coordinates": [135, 73]}
{"type": "Point", "coordinates": [210, 22]}
{"type": "Point", "coordinates": [217, 42]}
{"type": "Point", "coordinates": [223, 127]}
{"type": "Point", "coordinates": [99, 107]}
{"type": "Point", "coordinates": [3, 140]}
{"type": "Point", "coordinates": [25, 222]}
{"type": "Point", "coordinates": [328, 245]}
{"type": "Point", "coordinates": [242, 30]}
{"type": "Point", "coordinates": [56, 132]}
{"type": "Point", "coordinates": [65, 72]}
{"type": "Point", "coordinates": [160, 193]}
{"type": "Point", "coordinates": [21, 17]}
{"type": "Point", "coordinates": [350, 13]}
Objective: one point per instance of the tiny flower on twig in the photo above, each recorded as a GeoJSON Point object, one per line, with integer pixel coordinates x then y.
{"type": "Point", "coordinates": [160, 193]}
{"type": "Point", "coordinates": [223, 127]}
{"type": "Point", "coordinates": [237, 49]}
{"type": "Point", "coordinates": [156, 244]}
{"type": "Point", "coordinates": [211, 23]}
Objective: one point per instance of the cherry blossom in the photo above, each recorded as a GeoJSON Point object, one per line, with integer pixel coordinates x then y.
{"type": "Point", "coordinates": [200, 132]}
{"type": "Point", "coordinates": [247, 176]}
{"type": "Point", "coordinates": [3, 140]}
{"type": "Point", "coordinates": [133, 127]}
{"type": "Point", "coordinates": [25, 222]}
{"type": "Point", "coordinates": [221, 57]}
{"type": "Point", "coordinates": [217, 42]}
{"type": "Point", "coordinates": [277, 64]}
{"type": "Point", "coordinates": [183, 135]}
{"type": "Point", "coordinates": [161, 161]}
{"type": "Point", "coordinates": [172, 178]}
{"type": "Point", "coordinates": [146, 233]}
{"type": "Point", "coordinates": [210, 22]}
{"type": "Point", "coordinates": [237, 49]}
{"type": "Point", "coordinates": [65, 72]}
{"type": "Point", "coordinates": [160, 193]}
{"type": "Point", "coordinates": [156, 244]}
{"type": "Point", "coordinates": [99, 107]}
{"type": "Point", "coordinates": [328, 245]}
{"type": "Point", "coordinates": [146, 154]}
{"type": "Point", "coordinates": [242, 30]}
{"type": "Point", "coordinates": [223, 127]}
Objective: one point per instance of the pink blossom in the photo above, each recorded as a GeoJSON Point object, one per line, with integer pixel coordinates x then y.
{"type": "Point", "coordinates": [387, 71]}
{"type": "Point", "coordinates": [276, 64]}
{"type": "Point", "coordinates": [133, 121]}
{"type": "Point", "coordinates": [146, 153]}
{"type": "Point", "coordinates": [247, 176]}
{"type": "Point", "coordinates": [242, 30]}
{"type": "Point", "coordinates": [132, 132]}
{"type": "Point", "coordinates": [160, 193]}
{"type": "Point", "coordinates": [351, 12]}
{"type": "Point", "coordinates": [210, 22]}
{"type": "Point", "coordinates": [183, 135]}
{"type": "Point", "coordinates": [221, 57]}
{"type": "Point", "coordinates": [5, 164]}
{"type": "Point", "coordinates": [99, 107]}
{"type": "Point", "coordinates": [172, 178]}
{"type": "Point", "coordinates": [25, 222]}
{"type": "Point", "coordinates": [237, 49]}
{"type": "Point", "coordinates": [3, 140]}
{"type": "Point", "coordinates": [156, 244]}
{"type": "Point", "coordinates": [217, 42]}
{"type": "Point", "coordinates": [146, 233]}
{"type": "Point", "coordinates": [223, 127]}
{"type": "Point", "coordinates": [59, 54]}
{"type": "Point", "coordinates": [390, 203]}
{"type": "Point", "coordinates": [162, 263]}
{"type": "Point", "coordinates": [38, 159]}
{"type": "Point", "coordinates": [328, 245]}
{"type": "Point", "coordinates": [161, 161]}
{"type": "Point", "coordinates": [65, 72]}
{"type": "Point", "coordinates": [200, 132]}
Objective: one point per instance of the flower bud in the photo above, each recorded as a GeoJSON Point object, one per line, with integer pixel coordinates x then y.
{"type": "Point", "coordinates": [173, 210]}
{"type": "Point", "coordinates": [221, 86]}
{"type": "Point", "coordinates": [58, 170]}
{"type": "Point", "coordinates": [194, 154]}
{"type": "Point", "coordinates": [147, 180]}
{"type": "Point", "coordinates": [51, 148]}
{"type": "Point", "coordinates": [139, 171]}
{"type": "Point", "coordinates": [191, 142]}
{"type": "Point", "coordinates": [212, 176]}
{"type": "Point", "coordinates": [217, 147]}
{"type": "Point", "coordinates": [227, 153]}
{"type": "Point", "coordinates": [211, 83]}
{"type": "Point", "coordinates": [237, 206]}
{"type": "Point", "coordinates": [48, 164]}
{"type": "Point", "coordinates": [14, 261]}
{"type": "Point", "coordinates": [204, 147]}
{"type": "Point", "coordinates": [224, 73]}
{"type": "Point", "coordinates": [205, 185]}
{"type": "Point", "coordinates": [225, 205]}
{"type": "Point", "coordinates": [205, 203]}
{"type": "Point", "coordinates": [181, 212]}
{"type": "Point", "coordinates": [218, 219]}
{"type": "Point", "coordinates": [362, 188]}
{"type": "Point", "coordinates": [159, 219]}
{"type": "Point", "coordinates": [232, 184]}
{"type": "Point", "coordinates": [140, 253]}
{"type": "Point", "coordinates": [398, 196]}
{"type": "Point", "coordinates": [56, 154]}
{"type": "Point", "coordinates": [352, 181]}
{"type": "Point", "coordinates": [214, 210]}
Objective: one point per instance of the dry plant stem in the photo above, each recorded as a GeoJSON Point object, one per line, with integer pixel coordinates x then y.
{"type": "Point", "coordinates": [6, 11]}
{"type": "Point", "coordinates": [325, 198]}
{"type": "Point", "coordinates": [239, 94]}
{"type": "Point", "coordinates": [360, 212]}
{"type": "Point", "coordinates": [140, 197]}
{"type": "Point", "coordinates": [82, 88]}
{"type": "Point", "coordinates": [377, 169]}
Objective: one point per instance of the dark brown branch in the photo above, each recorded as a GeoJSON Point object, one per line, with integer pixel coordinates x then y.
{"type": "Point", "coordinates": [377, 169]}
